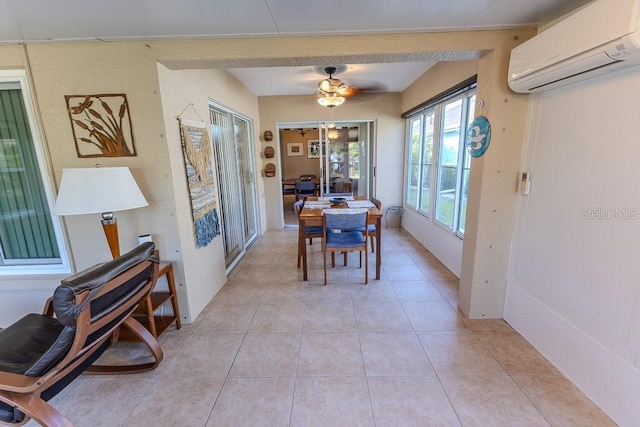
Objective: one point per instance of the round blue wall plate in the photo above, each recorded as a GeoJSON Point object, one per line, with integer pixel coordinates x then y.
{"type": "Point", "coordinates": [478, 136]}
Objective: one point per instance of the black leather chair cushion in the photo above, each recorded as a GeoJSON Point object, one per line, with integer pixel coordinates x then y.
{"type": "Point", "coordinates": [94, 278]}
{"type": "Point", "coordinates": [33, 345]}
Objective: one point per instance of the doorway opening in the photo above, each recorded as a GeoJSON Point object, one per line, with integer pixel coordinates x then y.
{"type": "Point", "coordinates": [334, 155]}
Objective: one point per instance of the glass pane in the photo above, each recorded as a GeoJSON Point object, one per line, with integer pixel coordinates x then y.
{"type": "Point", "coordinates": [463, 200]}
{"type": "Point", "coordinates": [345, 159]}
{"type": "Point", "coordinates": [462, 217]}
{"type": "Point", "coordinates": [413, 176]}
{"type": "Point", "coordinates": [448, 166]}
{"type": "Point", "coordinates": [247, 181]}
{"type": "Point", "coordinates": [26, 229]}
{"type": "Point", "coordinates": [427, 162]}
{"type": "Point", "coordinates": [231, 224]}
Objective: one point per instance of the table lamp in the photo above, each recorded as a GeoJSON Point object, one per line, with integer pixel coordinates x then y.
{"type": "Point", "coordinates": [99, 190]}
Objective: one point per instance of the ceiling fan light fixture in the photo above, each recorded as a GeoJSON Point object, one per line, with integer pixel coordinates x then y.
{"type": "Point", "coordinates": [330, 101]}
{"type": "Point", "coordinates": [331, 86]}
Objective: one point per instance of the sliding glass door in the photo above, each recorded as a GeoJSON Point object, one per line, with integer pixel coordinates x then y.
{"type": "Point", "coordinates": [345, 160]}
{"type": "Point", "coordinates": [232, 143]}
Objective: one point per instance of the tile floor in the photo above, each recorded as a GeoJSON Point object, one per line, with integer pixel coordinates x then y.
{"type": "Point", "coordinates": [272, 350]}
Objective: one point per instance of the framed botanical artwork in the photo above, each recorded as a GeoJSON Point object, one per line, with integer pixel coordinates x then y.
{"type": "Point", "coordinates": [294, 149]}
{"type": "Point", "coordinates": [101, 125]}
{"type": "Point", "coordinates": [313, 148]}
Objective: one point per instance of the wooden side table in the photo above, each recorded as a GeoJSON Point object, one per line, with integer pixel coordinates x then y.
{"type": "Point", "coordinates": [156, 324]}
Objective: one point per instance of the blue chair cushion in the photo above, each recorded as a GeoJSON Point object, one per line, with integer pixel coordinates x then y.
{"type": "Point", "coordinates": [346, 239]}
{"type": "Point", "coordinates": [313, 229]}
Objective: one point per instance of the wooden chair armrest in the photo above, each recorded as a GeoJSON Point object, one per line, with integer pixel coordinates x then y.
{"type": "Point", "coordinates": [48, 307]}
{"type": "Point", "coordinates": [16, 382]}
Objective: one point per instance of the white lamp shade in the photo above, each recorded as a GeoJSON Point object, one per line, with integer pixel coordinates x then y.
{"type": "Point", "coordinates": [330, 101]}
{"type": "Point", "coordinates": [97, 190]}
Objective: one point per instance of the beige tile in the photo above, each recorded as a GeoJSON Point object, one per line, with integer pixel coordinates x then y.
{"type": "Point", "coordinates": [515, 354]}
{"type": "Point", "coordinates": [86, 407]}
{"type": "Point", "coordinates": [253, 402]}
{"type": "Point", "coordinates": [419, 290]}
{"type": "Point", "coordinates": [295, 293]}
{"type": "Point", "coordinates": [336, 275]}
{"type": "Point", "coordinates": [176, 401]}
{"type": "Point", "coordinates": [490, 400]}
{"type": "Point", "coordinates": [328, 294]}
{"type": "Point", "coordinates": [285, 317]}
{"type": "Point", "coordinates": [466, 363]}
{"type": "Point", "coordinates": [410, 401]}
{"type": "Point", "coordinates": [227, 319]}
{"type": "Point", "coordinates": [374, 337]}
{"type": "Point", "coordinates": [205, 356]}
{"type": "Point", "coordinates": [561, 402]}
{"type": "Point", "coordinates": [238, 294]}
{"type": "Point", "coordinates": [488, 325]}
{"type": "Point", "coordinates": [267, 355]}
{"type": "Point", "coordinates": [459, 353]}
{"type": "Point", "coordinates": [396, 258]}
{"type": "Point", "coordinates": [337, 317]}
{"type": "Point", "coordinates": [259, 276]}
{"type": "Point", "coordinates": [394, 354]}
{"type": "Point", "coordinates": [432, 316]}
{"type": "Point", "coordinates": [445, 342]}
{"type": "Point", "coordinates": [331, 401]}
{"type": "Point", "coordinates": [381, 317]}
{"type": "Point", "coordinates": [330, 354]}
{"type": "Point", "coordinates": [396, 273]}
{"type": "Point", "coordinates": [374, 292]}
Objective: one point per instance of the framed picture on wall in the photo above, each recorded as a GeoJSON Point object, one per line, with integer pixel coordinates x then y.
{"type": "Point", "coordinates": [294, 149]}
{"type": "Point", "coordinates": [313, 148]}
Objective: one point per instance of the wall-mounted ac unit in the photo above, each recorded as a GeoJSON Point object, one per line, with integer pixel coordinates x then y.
{"type": "Point", "coordinates": [600, 38]}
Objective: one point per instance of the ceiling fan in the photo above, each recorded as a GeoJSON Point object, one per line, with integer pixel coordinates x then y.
{"type": "Point", "coordinates": [333, 91]}
{"type": "Point", "coordinates": [331, 86]}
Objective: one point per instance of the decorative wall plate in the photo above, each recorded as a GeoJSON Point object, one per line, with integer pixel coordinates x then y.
{"type": "Point", "coordinates": [478, 136]}
{"type": "Point", "coordinates": [269, 152]}
{"type": "Point", "coordinates": [270, 170]}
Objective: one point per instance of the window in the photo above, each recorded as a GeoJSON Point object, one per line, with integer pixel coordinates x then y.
{"type": "Point", "coordinates": [29, 236]}
{"type": "Point", "coordinates": [437, 162]}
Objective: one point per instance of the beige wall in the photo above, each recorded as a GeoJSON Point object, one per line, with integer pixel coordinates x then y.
{"type": "Point", "coordinates": [493, 196]}
{"type": "Point", "coordinates": [204, 268]}
{"type": "Point", "coordinates": [294, 166]}
{"type": "Point", "coordinates": [12, 57]}
{"type": "Point", "coordinates": [60, 69]}
{"type": "Point", "coordinates": [437, 79]}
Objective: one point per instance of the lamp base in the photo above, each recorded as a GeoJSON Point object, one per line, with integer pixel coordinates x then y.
{"type": "Point", "coordinates": [110, 227]}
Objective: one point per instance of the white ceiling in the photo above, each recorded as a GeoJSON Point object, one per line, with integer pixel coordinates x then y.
{"type": "Point", "coordinates": [106, 20]}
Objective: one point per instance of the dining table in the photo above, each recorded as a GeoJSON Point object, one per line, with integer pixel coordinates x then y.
{"type": "Point", "coordinates": [312, 212]}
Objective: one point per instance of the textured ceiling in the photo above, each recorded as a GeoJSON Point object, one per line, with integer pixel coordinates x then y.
{"type": "Point", "coordinates": [35, 21]}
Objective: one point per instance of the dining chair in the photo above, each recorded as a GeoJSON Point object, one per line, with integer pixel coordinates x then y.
{"type": "Point", "coordinates": [339, 235]}
{"type": "Point", "coordinates": [343, 186]}
{"type": "Point", "coordinates": [371, 228]}
{"type": "Point", "coordinates": [309, 231]}
{"type": "Point", "coordinates": [305, 189]}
